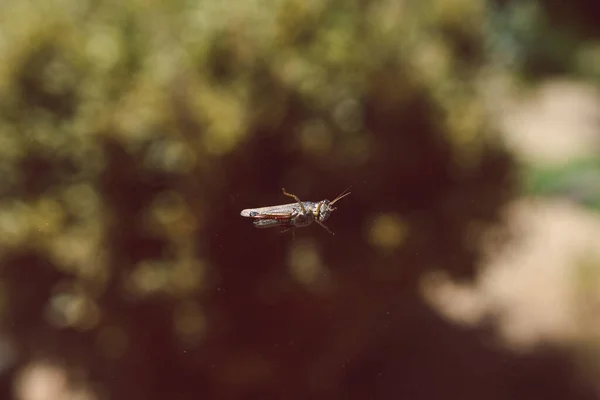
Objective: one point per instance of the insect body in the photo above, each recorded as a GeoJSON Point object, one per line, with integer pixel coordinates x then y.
{"type": "Point", "coordinates": [293, 215]}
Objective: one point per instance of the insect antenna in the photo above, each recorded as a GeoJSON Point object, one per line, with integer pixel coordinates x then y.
{"type": "Point", "coordinates": [341, 195]}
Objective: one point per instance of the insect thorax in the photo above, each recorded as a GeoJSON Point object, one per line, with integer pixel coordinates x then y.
{"type": "Point", "coordinates": [324, 210]}
{"type": "Point", "coordinates": [303, 219]}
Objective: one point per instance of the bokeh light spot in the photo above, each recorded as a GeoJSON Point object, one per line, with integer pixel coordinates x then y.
{"type": "Point", "coordinates": [387, 232]}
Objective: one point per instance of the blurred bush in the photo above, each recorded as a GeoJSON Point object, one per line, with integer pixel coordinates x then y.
{"type": "Point", "coordinates": [133, 133]}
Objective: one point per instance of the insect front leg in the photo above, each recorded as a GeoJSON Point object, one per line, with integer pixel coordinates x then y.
{"type": "Point", "coordinates": [323, 225]}
{"type": "Point", "coordinates": [293, 196]}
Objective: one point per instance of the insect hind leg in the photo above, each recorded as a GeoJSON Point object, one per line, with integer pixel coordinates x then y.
{"type": "Point", "coordinates": [293, 229]}
{"type": "Point", "coordinates": [293, 196]}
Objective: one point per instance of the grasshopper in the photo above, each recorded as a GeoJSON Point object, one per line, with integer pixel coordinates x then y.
{"type": "Point", "coordinates": [294, 215]}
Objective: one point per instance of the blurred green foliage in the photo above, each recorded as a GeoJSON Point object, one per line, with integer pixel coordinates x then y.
{"type": "Point", "coordinates": [546, 38]}
{"type": "Point", "coordinates": [577, 180]}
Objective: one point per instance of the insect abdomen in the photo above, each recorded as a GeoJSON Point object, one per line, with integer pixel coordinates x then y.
{"type": "Point", "coordinates": [267, 223]}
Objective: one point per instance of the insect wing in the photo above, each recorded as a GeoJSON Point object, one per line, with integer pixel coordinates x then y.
{"type": "Point", "coordinates": [271, 216]}
{"type": "Point", "coordinates": [283, 211]}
